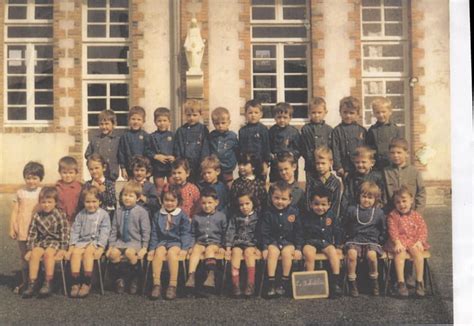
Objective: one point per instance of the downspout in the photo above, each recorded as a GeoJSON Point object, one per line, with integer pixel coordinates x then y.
{"type": "Point", "coordinates": [175, 46]}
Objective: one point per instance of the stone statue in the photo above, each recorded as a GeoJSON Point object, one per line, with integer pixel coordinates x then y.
{"type": "Point", "coordinates": [194, 46]}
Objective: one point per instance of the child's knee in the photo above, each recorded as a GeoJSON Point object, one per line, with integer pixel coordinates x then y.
{"type": "Point", "coordinates": [352, 255]}
{"type": "Point", "coordinates": [249, 253]}
{"type": "Point", "coordinates": [371, 256]}
{"type": "Point", "coordinates": [49, 253]}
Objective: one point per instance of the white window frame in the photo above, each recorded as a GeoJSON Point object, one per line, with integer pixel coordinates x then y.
{"type": "Point", "coordinates": [107, 23]}
{"type": "Point", "coordinates": [382, 22]}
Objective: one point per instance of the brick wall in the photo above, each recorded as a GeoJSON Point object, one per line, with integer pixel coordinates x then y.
{"type": "Point", "coordinates": [317, 50]}
{"type": "Point", "coordinates": [137, 71]}
{"type": "Point", "coordinates": [245, 53]}
{"type": "Point", "coordinates": [2, 60]}
{"type": "Point", "coordinates": [355, 54]}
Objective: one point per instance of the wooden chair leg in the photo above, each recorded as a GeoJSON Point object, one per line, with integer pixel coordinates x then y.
{"type": "Point", "coordinates": [101, 281]}
{"type": "Point", "coordinates": [387, 278]}
{"type": "Point", "coordinates": [145, 279]}
{"type": "Point", "coordinates": [64, 278]}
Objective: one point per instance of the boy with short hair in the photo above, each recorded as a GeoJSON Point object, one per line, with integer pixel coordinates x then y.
{"type": "Point", "coordinates": [283, 138]}
{"type": "Point", "coordinates": [224, 144]}
{"type": "Point", "coordinates": [191, 142]}
{"type": "Point", "coordinates": [132, 142]}
{"type": "Point", "coordinates": [210, 171]}
{"type": "Point", "coordinates": [106, 143]}
{"type": "Point", "coordinates": [253, 137]}
{"type": "Point", "coordinates": [347, 136]}
{"type": "Point", "coordinates": [383, 131]}
{"type": "Point", "coordinates": [286, 165]}
{"type": "Point", "coordinates": [69, 189]}
{"type": "Point", "coordinates": [141, 170]}
{"type": "Point", "coordinates": [315, 133]}
{"type": "Point", "coordinates": [401, 173]}
{"type": "Point", "coordinates": [159, 149]}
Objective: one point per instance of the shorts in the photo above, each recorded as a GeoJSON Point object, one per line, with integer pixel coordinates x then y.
{"type": "Point", "coordinates": [244, 246]}
{"type": "Point", "coordinates": [319, 246]}
{"type": "Point", "coordinates": [363, 248]}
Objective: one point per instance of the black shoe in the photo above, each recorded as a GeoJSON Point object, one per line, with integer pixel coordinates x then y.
{"type": "Point", "coordinates": [375, 287]}
{"type": "Point", "coordinates": [46, 289]}
{"type": "Point", "coordinates": [271, 293]}
{"type": "Point", "coordinates": [280, 290]}
{"type": "Point", "coordinates": [353, 291]}
{"type": "Point", "coordinates": [133, 289]}
{"type": "Point", "coordinates": [236, 292]}
{"type": "Point", "coordinates": [335, 290]}
{"type": "Point", "coordinates": [30, 290]}
{"type": "Point", "coordinates": [402, 290]}
{"type": "Point", "coordinates": [155, 292]}
{"type": "Point", "coordinates": [120, 286]}
{"type": "Point", "coordinates": [249, 290]}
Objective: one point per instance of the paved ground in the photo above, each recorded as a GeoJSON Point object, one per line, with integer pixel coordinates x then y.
{"type": "Point", "coordinates": [118, 310]}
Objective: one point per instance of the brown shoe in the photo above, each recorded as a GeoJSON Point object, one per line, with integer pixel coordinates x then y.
{"type": "Point", "coordinates": [30, 290]}
{"type": "Point", "coordinates": [353, 291]}
{"type": "Point", "coordinates": [374, 283]}
{"type": "Point", "coordinates": [120, 286]}
{"type": "Point", "coordinates": [236, 292]}
{"type": "Point", "coordinates": [420, 289]}
{"type": "Point", "coordinates": [155, 292]}
{"type": "Point", "coordinates": [75, 290]}
{"type": "Point", "coordinates": [171, 293]}
{"type": "Point", "coordinates": [249, 290]}
{"type": "Point", "coordinates": [84, 291]}
{"type": "Point", "coordinates": [46, 289]}
{"type": "Point", "coordinates": [210, 280]}
{"type": "Point", "coordinates": [191, 282]}
{"type": "Point", "coordinates": [402, 290]}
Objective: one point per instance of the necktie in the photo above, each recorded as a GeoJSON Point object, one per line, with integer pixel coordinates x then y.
{"type": "Point", "coordinates": [169, 222]}
{"type": "Point", "coordinates": [125, 235]}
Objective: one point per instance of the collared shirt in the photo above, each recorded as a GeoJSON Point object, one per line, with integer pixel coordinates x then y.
{"type": "Point", "coordinates": [222, 193]}
{"type": "Point", "coordinates": [253, 138]}
{"type": "Point", "coordinates": [160, 142]}
{"type": "Point", "coordinates": [321, 230]}
{"type": "Point", "coordinates": [171, 229]}
{"type": "Point", "coordinates": [192, 143]}
{"type": "Point", "coordinates": [284, 139]}
{"type": "Point", "coordinates": [131, 143]}
{"type": "Point", "coordinates": [48, 230]}
{"type": "Point", "coordinates": [352, 183]}
{"type": "Point", "coordinates": [225, 146]}
{"type": "Point", "coordinates": [314, 135]}
{"type": "Point", "coordinates": [332, 183]}
{"type": "Point", "coordinates": [90, 228]}
{"type": "Point", "coordinates": [345, 139]}
{"type": "Point", "coordinates": [107, 147]}
{"type": "Point", "coordinates": [256, 186]}
{"type": "Point", "coordinates": [243, 230]}
{"type": "Point", "coordinates": [209, 229]}
{"type": "Point", "coordinates": [282, 228]}
{"type": "Point", "coordinates": [68, 195]}
{"type": "Point", "coordinates": [379, 137]}
{"type": "Point", "coordinates": [138, 227]}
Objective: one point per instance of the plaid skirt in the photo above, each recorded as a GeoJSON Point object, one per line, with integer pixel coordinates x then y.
{"type": "Point", "coordinates": [363, 248]}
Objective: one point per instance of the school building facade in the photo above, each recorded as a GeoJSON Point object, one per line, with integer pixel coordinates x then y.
{"type": "Point", "coordinates": [63, 61]}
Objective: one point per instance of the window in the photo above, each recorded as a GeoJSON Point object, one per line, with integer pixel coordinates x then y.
{"type": "Point", "coordinates": [106, 52]}
{"type": "Point", "coordinates": [385, 64]}
{"type": "Point", "coordinates": [280, 54]}
{"type": "Point", "coordinates": [29, 62]}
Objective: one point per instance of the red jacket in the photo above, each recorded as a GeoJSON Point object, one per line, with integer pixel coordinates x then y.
{"type": "Point", "coordinates": [69, 197]}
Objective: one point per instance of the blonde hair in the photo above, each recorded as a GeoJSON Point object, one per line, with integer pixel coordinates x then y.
{"type": "Point", "coordinates": [380, 102]}
{"type": "Point", "coordinates": [403, 190]}
{"type": "Point", "coordinates": [219, 113]}
{"type": "Point", "coordinates": [399, 142]}
{"type": "Point", "coordinates": [316, 102]}
{"type": "Point", "coordinates": [211, 162]}
{"type": "Point", "coordinates": [371, 188]}
{"type": "Point", "coordinates": [137, 110]}
{"type": "Point", "coordinates": [322, 152]}
{"type": "Point", "coordinates": [132, 186]}
{"type": "Point", "coordinates": [193, 106]}
{"type": "Point", "coordinates": [363, 151]}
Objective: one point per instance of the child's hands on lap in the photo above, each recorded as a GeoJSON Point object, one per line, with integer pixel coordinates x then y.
{"type": "Point", "coordinates": [98, 252]}
{"type": "Point", "coordinates": [68, 254]}
{"type": "Point", "coordinates": [228, 253]}
{"type": "Point", "coordinates": [399, 247]}
{"type": "Point", "coordinates": [28, 255]}
{"type": "Point", "coordinates": [340, 172]}
{"type": "Point", "coordinates": [141, 253]}
{"type": "Point", "coordinates": [298, 254]}
{"type": "Point", "coordinates": [418, 245]}
{"type": "Point", "coordinates": [151, 254]}
{"type": "Point", "coordinates": [60, 254]}
{"type": "Point", "coordinates": [171, 158]}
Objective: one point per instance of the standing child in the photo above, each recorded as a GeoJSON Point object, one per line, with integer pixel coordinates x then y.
{"type": "Point", "coordinates": [347, 136]}
{"type": "Point", "coordinates": [129, 237]}
{"type": "Point", "coordinates": [315, 133]}
{"type": "Point", "coordinates": [283, 138]}
{"type": "Point", "coordinates": [407, 233]}
{"type": "Point", "coordinates": [324, 178]}
{"type": "Point", "coordinates": [322, 233]}
{"type": "Point", "coordinates": [365, 228]}
{"type": "Point", "coordinates": [224, 144]}
{"type": "Point", "coordinates": [89, 235]}
{"type": "Point", "coordinates": [210, 171]}
{"type": "Point", "coordinates": [97, 167]}
{"type": "Point", "coordinates": [24, 205]}
{"type": "Point", "coordinates": [287, 166]}
{"type": "Point", "coordinates": [208, 229]}
{"type": "Point", "coordinates": [69, 189]}
{"type": "Point", "coordinates": [141, 169]}
{"type": "Point", "coordinates": [48, 238]}
{"type": "Point", "coordinates": [160, 148]}
{"type": "Point", "coordinates": [133, 141]}
{"type": "Point", "coordinates": [170, 234]}
{"type": "Point", "coordinates": [106, 143]}
{"type": "Point", "coordinates": [281, 235]}
{"type": "Point", "coordinates": [191, 140]}
{"type": "Point", "coordinates": [249, 167]}
{"type": "Point", "coordinates": [383, 131]}
{"type": "Point", "coordinates": [363, 160]}
{"type": "Point", "coordinates": [242, 235]}
{"type": "Point", "coordinates": [253, 137]}
{"type": "Point", "coordinates": [400, 173]}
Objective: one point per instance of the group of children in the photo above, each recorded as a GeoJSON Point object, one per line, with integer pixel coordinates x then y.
{"type": "Point", "coordinates": [358, 184]}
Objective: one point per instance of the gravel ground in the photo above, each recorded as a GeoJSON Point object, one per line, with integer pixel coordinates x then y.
{"type": "Point", "coordinates": [125, 309]}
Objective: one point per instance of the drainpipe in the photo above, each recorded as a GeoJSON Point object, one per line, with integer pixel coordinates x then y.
{"type": "Point", "coordinates": [175, 46]}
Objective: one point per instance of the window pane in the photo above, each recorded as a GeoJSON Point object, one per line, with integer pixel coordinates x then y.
{"type": "Point", "coordinates": [44, 2]}
{"type": "Point", "coordinates": [119, 3]}
{"type": "Point", "coordinates": [371, 15]}
{"type": "Point", "coordinates": [107, 52]}
{"type": "Point", "coordinates": [119, 31]}
{"type": "Point", "coordinates": [96, 31]}
{"type": "Point", "coordinates": [17, 2]}
{"type": "Point", "coordinates": [96, 104]}
{"type": "Point", "coordinates": [96, 90]}
{"type": "Point", "coordinates": [119, 89]}
{"type": "Point", "coordinates": [371, 3]}
{"type": "Point", "coordinates": [16, 67]}
{"type": "Point", "coordinates": [300, 111]}
{"type": "Point", "coordinates": [395, 87]}
{"type": "Point", "coordinates": [44, 67]}
{"type": "Point", "coordinates": [267, 111]}
{"type": "Point", "coordinates": [279, 32]}
{"type": "Point", "coordinates": [92, 119]}
{"type": "Point", "coordinates": [373, 87]}
{"type": "Point", "coordinates": [44, 97]}
{"type": "Point", "coordinates": [265, 96]}
{"type": "Point", "coordinates": [294, 2]}
{"type": "Point", "coordinates": [122, 119]}
{"type": "Point", "coordinates": [107, 68]}
{"type": "Point", "coordinates": [295, 51]}
{"type": "Point", "coordinates": [264, 81]}
{"type": "Point", "coordinates": [263, 2]}
{"type": "Point", "coordinates": [398, 102]}
{"type": "Point", "coordinates": [268, 66]}
{"type": "Point", "coordinates": [393, 3]}
{"type": "Point", "coordinates": [372, 29]}
{"type": "Point", "coordinates": [44, 13]}
{"type": "Point", "coordinates": [44, 113]}
{"type": "Point", "coordinates": [119, 104]}
{"type": "Point", "coordinates": [96, 3]}
{"type": "Point", "coordinates": [96, 16]}
{"type": "Point", "coordinates": [264, 51]}
{"type": "Point", "coordinates": [295, 66]}
{"type": "Point", "coordinates": [119, 16]}
{"type": "Point", "coordinates": [393, 29]}
{"type": "Point", "coordinates": [16, 97]}
{"type": "Point", "coordinates": [296, 81]}
{"type": "Point", "coordinates": [296, 96]}
{"type": "Point", "coordinates": [393, 15]}
{"type": "Point", "coordinates": [30, 31]}
{"type": "Point", "coordinates": [16, 82]}
{"type": "Point", "coordinates": [398, 117]}
{"type": "Point", "coordinates": [294, 13]}
{"type": "Point", "coordinates": [17, 113]}
{"type": "Point", "coordinates": [267, 13]}
{"type": "Point", "coordinates": [16, 12]}
{"type": "Point", "coordinates": [387, 50]}
{"type": "Point", "coordinates": [44, 82]}
{"type": "Point", "coordinates": [44, 51]}
{"type": "Point", "coordinates": [368, 116]}
{"type": "Point", "coordinates": [383, 65]}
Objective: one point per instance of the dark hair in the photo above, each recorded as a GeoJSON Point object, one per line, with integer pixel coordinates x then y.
{"type": "Point", "coordinates": [90, 190]}
{"type": "Point", "coordinates": [253, 160]}
{"type": "Point", "coordinates": [139, 161]}
{"type": "Point", "coordinates": [96, 158]}
{"type": "Point", "coordinates": [137, 110]}
{"type": "Point", "coordinates": [321, 192]}
{"type": "Point", "coordinates": [48, 192]}
{"type": "Point", "coordinates": [162, 112]}
{"type": "Point", "coordinates": [253, 104]}
{"type": "Point", "coordinates": [249, 193]}
{"type": "Point", "coordinates": [33, 168]}
{"type": "Point", "coordinates": [400, 192]}
{"type": "Point", "coordinates": [350, 103]}
{"type": "Point", "coordinates": [68, 162]}
{"type": "Point", "coordinates": [316, 102]}
{"type": "Point", "coordinates": [399, 142]}
{"type": "Point", "coordinates": [280, 185]}
{"type": "Point", "coordinates": [181, 163]}
{"type": "Point", "coordinates": [107, 115]}
{"type": "Point", "coordinates": [286, 157]}
{"type": "Point", "coordinates": [209, 192]}
{"type": "Point", "coordinates": [172, 191]}
{"type": "Point", "coordinates": [281, 108]}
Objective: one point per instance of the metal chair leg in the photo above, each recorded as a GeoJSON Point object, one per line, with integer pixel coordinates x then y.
{"type": "Point", "coordinates": [145, 278]}
{"type": "Point", "coordinates": [430, 277]}
{"type": "Point", "coordinates": [262, 278]}
{"type": "Point", "coordinates": [101, 281]}
{"type": "Point", "coordinates": [223, 276]}
{"type": "Point", "coordinates": [63, 277]}
{"type": "Point", "coordinates": [387, 278]}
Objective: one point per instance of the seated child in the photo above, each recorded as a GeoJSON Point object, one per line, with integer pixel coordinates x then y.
{"type": "Point", "coordinates": [407, 232]}
{"type": "Point", "coordinates": [249, 167]}
{"type": "Point", "coordinates": [224, 144]}
{"type": "Point", "coordinates": [365, 228]}
{"type": "Point", "coordinates": [400, 173]}
{"type": "Point", "coordinates": [89, 235]}
{"type": "Point", "coordinates": [129, 237]}
{"type": "Point", "coordinates": [141, 169]}
{"type": "Point", "coordinates": [253, 137]}
{"type": "Point", "coordinates": [189, 192]}
{"type": "Point", "coordinates": [69, 189]}
{"type": "Point", "coordinates": [210, 171]}
{"type": "Point", "coordinates": [281, 235]}
{"type": "Point", "coordinates": [242, 235]}
{"type": "Point", "coordinates": [106, 143]}
{"type": "Point", "coordinates": [315, 133]}
{"type": "Point", "coordinates": [48, 238]}
{"type": "Point", "coordinates": [363, 159]}
{"type": "Point", "coordinates": [97, 167]}
{"type": "Point", "coordinates": [283, 138]}
{"type": "Point", "coordinates": [287, 166]}
{"type": "Point", "coordinates": [170, 234]}
{"type": "Point", "coordinates": [133, 141]}
{"type": "Point", "coordinates": [324, 178]}
{"type": "Point", "coordinates": [383, 131]}
{"type": "Point", "coordinates": [24, 205]}
{"type": "Point", "coordinates": [208, 229]}
{"type": "Point", "coordinates": [191, 142]}
{"type": "Point", "coordinates": [347, 136]}
{"type": "Point", "coordinates": [160, 148]}
{"type": "Point", "coordinates": [322, 233]}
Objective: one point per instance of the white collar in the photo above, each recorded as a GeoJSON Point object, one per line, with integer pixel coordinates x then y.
{"type": "Point", "coordinates": [174, 213]}
{"type": "Point", "coordinates": [252, 177]}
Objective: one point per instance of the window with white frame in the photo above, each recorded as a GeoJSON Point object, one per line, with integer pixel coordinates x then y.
{"type": "Point", "coordinates": [385, 64]}
{"type": "Point", "coordinates": [29, 62]}
{"type": "Point", "coordinates": [106, 49]}
{"type": "Point", "coordinates": [280, 54]}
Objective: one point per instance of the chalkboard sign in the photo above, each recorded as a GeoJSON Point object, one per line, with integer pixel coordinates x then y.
{"type": "Point", "coordinates": [310, 285]}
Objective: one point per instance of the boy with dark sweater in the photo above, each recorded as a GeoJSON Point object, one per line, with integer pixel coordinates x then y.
{"type": "Point", "coordinates": [141, 169]}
